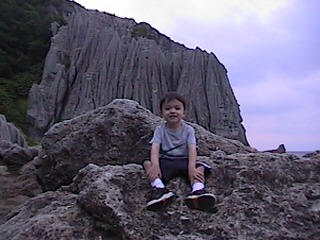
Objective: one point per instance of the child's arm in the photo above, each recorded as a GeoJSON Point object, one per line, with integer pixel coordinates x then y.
{"type": "Point", "coordinates": [155, 149]}
{"type": "Point", "coordinates": [194, 174]}
{"type": "Point", "coordinates": [154, 171]}
{"type": "Point", "coordinates": [192, 152]}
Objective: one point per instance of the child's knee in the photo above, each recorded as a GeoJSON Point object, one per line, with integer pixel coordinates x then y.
{"type": "Point", "coordinates": [146, 164]}
{"type": "Point", "coordinates": [201, 168]}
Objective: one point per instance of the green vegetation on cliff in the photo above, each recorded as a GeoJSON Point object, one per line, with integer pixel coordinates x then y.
{"type": "Point", "coordinates": [25, 39]}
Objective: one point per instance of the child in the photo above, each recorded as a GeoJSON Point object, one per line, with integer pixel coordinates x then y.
{"type": "Point", "coordinates": [173, 154]}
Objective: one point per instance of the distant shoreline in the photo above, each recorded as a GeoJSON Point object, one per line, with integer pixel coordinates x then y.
{"type": "Point", "coordinates": [299, 154]}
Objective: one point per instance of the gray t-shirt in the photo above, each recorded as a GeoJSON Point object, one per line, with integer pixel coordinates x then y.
{"type": "Point", "coordinates": [174, 143]}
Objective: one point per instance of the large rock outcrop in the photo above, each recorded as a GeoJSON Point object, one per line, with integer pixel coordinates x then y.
{"type": "Point", "coordinates": [100, 191]}
{"type": "Point", "coordinates": [261, 196]}
{"type": "Point", "coordinates": [14, 148]}
{"type": "Point", "coordinates": [118, 133]}
{"type": "Point", "coordinates": [10, 133]}
{"type": "Point", "coordinates": [97, 57]}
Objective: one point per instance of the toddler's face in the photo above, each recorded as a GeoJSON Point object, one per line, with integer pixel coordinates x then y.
{"type": "Point", "coordinates": [173, 111]}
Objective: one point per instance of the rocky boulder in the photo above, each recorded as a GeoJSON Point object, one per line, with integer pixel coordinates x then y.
{"type": "Point", "coordinates": [17, 177]}
{"type": "Point", "coordinates": [281, 149]}
{"type": "Point", "coordinates": [10, 133]}
{"type": "Point", "coordinates": [17, 185]}
{"type": "Point", "coordinates": [260, 196]}
{"type": "Point", "coordinates": [315, 154]}
{"type": "Point", "coordinates": [14, 148]}
{"type": "Point", "coordinates": [116, 134]}
{"type": "Point", "coordinates": [91, 163]}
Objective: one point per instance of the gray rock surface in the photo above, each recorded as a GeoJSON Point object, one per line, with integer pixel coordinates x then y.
{"type": "Point", "coordinates": [14, 148]}
{"type": "Point", "coordinates": [315, 154]}
{"type": "Point", "coordinates": [100, 190]}
{"type": "Point", "coordinates": [260, 196]}
{"type": "Point", "coordinates": [10, 133]}
{"type": "Point", "coordinates": [17, 181]}
{"type": "Point", "coordinates": [13, 154]}
{"type": "Point", "coordinates": [118, 133]}
{"type": "Point", "coordinates": [97, 57]}
{"type": "Point", "coordinates": [17, 178]}
{"type": "Point", "coordinates": [280, 149]}
{"type": "Point", "coordinates": [51, 215]}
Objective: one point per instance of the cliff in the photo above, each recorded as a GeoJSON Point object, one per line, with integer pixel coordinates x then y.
{"type": "Point", "coordinates": [10, 133]}
{"type": "Point", "coordinates": [96, 57]}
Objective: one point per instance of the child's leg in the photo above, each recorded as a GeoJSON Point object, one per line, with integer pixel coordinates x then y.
{"type": "Point", "coordinates": [204, 169]}
{"type": "Point", "coordinates": [161, 196]}
{"type": "Point", "coordinates": [196, 184]}
{"type": "Point", "coordinates": [146, 164]}
{"type": "Point", "coordinates": [156, 183]}
{"type": "Point", "coordinates": [199, 198]}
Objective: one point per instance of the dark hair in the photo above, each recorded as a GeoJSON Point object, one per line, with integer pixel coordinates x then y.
{"type": "Point", "coordinates": [172, 96]}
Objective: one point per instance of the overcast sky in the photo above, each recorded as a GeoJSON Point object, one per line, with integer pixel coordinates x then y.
{"type": "Point", "coordinates": [271, 49]}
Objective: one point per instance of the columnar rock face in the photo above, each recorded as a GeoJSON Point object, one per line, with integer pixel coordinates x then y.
{"type": "Point", "coordinates": [14, 148]}
{"type": "Point", "coordinates": [9, 133]}
{"type": "Point", "coordinates": [97, 57]}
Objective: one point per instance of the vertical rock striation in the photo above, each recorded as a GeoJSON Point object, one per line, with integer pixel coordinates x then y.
{"type": "Point", "coordinates": [10, 133]}
{"type": "Point", "coordinates": [97, 57]}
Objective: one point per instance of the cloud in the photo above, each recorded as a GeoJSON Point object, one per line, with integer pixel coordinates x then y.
{"type": "Point", "coordinates": [282, 42]}
{"type": "Point", "coordinates": [277, 93]}
{"type": "Point", "coordinates": [281, 110]}
{"type": "Point", "coordinates": [163, 13]}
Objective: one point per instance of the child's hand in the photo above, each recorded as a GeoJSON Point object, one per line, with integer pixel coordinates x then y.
{"type": "Point", "coordinates": [153, 173]}
{"type": "Point", "coordinates": [195, 174]}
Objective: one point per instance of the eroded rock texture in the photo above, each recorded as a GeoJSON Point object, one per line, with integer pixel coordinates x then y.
{"type": "Point", "coordinates": [14, 148]}
{"type": "Point", "coordinates": [99, 191]}
{"type": "Point", "coordinates": [17, 179]}
{"type": "Point", "coordinates": [261, 196]}
{"type": "Point", "coordinates": [118, 133]}
{"type": "Point", "coordinates": [10, 133]}
{"type": "Point", "coordinates": [97, 57]}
